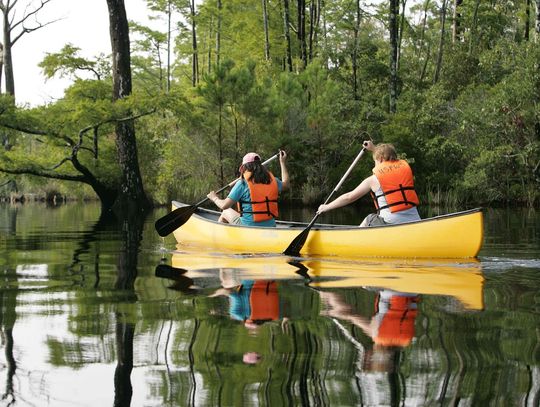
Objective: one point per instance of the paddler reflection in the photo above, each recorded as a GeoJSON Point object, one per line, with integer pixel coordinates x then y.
{"type": "Point", "coordinates": [253, 302]}
{"type": "Point", "coordinates": [391, 327]}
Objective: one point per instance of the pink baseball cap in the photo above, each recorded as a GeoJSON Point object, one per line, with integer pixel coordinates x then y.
{"type": "Point", "coordinates": [250, 157]}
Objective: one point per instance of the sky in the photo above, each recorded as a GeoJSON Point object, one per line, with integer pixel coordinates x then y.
{"type": "Point", "coordinates": [83, 23]}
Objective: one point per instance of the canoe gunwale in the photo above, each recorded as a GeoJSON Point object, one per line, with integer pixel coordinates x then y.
{"type": "Point", "coordinates": [291, 225]}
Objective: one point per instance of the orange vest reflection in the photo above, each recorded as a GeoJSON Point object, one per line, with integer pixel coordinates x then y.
{"type": "Point", "coordinates": [256, 301]}
{"type": "Point", "coordinates": [395, 318]}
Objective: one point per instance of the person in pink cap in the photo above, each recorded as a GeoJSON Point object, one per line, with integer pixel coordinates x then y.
{"type": "Point", "coordinates": [255, 195]}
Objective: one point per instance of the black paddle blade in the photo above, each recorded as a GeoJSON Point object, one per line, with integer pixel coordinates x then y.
{"type": "Point", "coordinates": [172, 273]}
{"type": "Point", "coordinates": [297, 244]}
{"type": "Point", "coordinates": [173, 220]}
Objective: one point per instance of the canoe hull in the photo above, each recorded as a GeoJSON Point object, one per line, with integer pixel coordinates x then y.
{"type": "Point", "coordinates": [457, 235]}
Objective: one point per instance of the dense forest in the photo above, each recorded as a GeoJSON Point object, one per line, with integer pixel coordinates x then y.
{"type": "Point", "coordinates": [453, 84]}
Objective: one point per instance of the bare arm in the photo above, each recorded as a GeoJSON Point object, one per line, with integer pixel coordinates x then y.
{"type": "Point", "coordinates": [221, 203]}
{"type": "Point", "coordinates": [349, 197]}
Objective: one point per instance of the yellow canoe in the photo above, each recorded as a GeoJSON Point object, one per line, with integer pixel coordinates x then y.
{"type": "Point", "coordinates": [462, 280]}
{"type": "Point", "coordinates": [457, 235]}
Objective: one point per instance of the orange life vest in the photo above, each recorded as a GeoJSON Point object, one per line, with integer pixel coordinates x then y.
{"type": "Point", "coordinates": [264, 200]}
{"type": "Point", "coordinates": [397, 325]}
{"type": "Point", "coordinates": [264, 301]}
{"type": "Point", "coordinates": [397, 185]}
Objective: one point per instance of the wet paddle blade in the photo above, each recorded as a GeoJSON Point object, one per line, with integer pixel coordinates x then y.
{"type": "Point", "coordinates": [173, 220]}
{"type": "Point", "coordinates": [297, 244]}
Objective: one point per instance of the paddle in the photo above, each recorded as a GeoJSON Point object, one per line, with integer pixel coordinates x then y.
{"type": "Point", "coordinates": [298, 242]}
{"type": "Point", "coordinates": [165, 271]}
{"type": "Point", "coordinates": [173, 220]}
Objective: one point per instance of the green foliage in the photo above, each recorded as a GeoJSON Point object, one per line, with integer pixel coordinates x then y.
{"type": "Point", "coordinates": [67, 63]}
{"type": "Point", "coordinates": [470, 135]}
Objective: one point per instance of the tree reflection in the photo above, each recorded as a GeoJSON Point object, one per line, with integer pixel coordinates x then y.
{"type": "Point", "coordinates": [8, 301]}
{"type": "Point", "coordinates": [132, 227]}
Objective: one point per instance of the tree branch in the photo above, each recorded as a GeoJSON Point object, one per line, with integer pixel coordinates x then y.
{"type": "Point", "coordinates": [43, 173]}
{"type": "Point", "coordinates": [26, 30]}
{"type": "Point", "coordinates": [33, 132]}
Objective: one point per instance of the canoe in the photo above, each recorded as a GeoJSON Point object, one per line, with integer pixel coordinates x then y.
{"type": "Point", "coordinates": [456, 235]}
{"type": "Point", "coordinates": [462, 279]}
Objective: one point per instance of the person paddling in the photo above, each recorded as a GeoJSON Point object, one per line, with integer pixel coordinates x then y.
{"type": "Point", "coordinates": [391, 187]}
{"type": "Point", "coordinates": [255, 195]}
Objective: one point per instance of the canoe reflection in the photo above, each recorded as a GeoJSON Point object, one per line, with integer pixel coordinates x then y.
{"type": "Point", "coordinates": [461, 280]}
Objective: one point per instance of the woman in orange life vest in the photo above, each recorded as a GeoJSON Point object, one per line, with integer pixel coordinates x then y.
{"type": "Point", "coordinates": [391, 187]}
{"type": "Point", "coordinates": [256, 194]}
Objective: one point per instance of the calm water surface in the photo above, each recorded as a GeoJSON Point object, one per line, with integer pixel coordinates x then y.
{"type": "Point", "coordinates": [98, 312]}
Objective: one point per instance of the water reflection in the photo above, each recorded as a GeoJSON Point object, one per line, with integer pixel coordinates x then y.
{"type": "Point", "coordinates": [86, 300]}
{"type": "Point", "coordinates": [132, 227]}
{"type": "Point", "coordinates": [8, 301]}
{"type": "Point", "coordinates": [461, 279]}
{"type": "Point", "coordinates": [298, 314]}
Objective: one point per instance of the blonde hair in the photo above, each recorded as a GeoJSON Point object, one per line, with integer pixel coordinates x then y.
{"type": "Point", "coordinates": [385, 152]}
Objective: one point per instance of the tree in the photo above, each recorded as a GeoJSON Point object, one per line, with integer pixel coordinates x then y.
{"type": "Point", "coordinates": [440, 52]}
{"type": "Point", "coordinates": [393, 28]}
{"type": "Point", "coordinates": [456, 25]}
{"type": "Point", "coordinates": [266, 36]}
{"type": "Point", "coordinates": [287, 34]}
{"type": "Point", "coordinates": [537, 25]}
{"type": "Point", "coordinates": [132, 195]}
{"type": "Point", "coordinates": [194, 47]}
{"type": "Point", "coordinates": [12, 31]}
{"type": "Point", "coordinates": [151, 67]}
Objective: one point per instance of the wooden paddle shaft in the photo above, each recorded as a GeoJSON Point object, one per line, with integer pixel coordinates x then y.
{"type": "Point", "coordinates": [348, 171]}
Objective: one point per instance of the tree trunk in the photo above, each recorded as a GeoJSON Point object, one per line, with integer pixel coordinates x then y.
{"type": "Point", "coordinates": [209, 47]}
{"type": "Point", "coordinates": [7, 57]}
{"type": "Point", "coordinates": [441, 43]}
{"type": "Point", "coordinates": [266, 35]}
{"type": "Point", "coordinates": [132, 195]}
{"type": "Point", "coordinates": [313, 26]}
{"type": "Point", "coordinates": [317, 24]}
{"type": "Point", "coordinates": [220, 146]}
{"type": "Point", "coordinates": [472, 37]}
{"type": "Point", "coordinates": [422, 46]}
{"type": "Point", "coordinates": [301, 33]}
{"type": "Point", "coordinates": [400, 30]}
{"type": "Point", "coordinates": [325, 35]}
{"type": "Point", "coordinates": [537, 20]}
{"type": "Point", "coordinates": [1, 64]}
{"type": "Point", "coordinates": [169, 16]}
{"type": "Point", "coordinates": [394, 11]}
{"type": "Point", "coordinates": [354, 56]}
{"type": "Point", "coordinates": [287, 33]}
{"type": "Point", "coordinates": [456, 25]}
{"type": "Point", "coordinates": [218, 33]}
{"type": "Point", "coordinates": [195, 52]}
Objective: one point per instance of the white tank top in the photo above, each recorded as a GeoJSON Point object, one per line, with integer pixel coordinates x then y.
{"type": "Point", "coordinates": [408, 215]}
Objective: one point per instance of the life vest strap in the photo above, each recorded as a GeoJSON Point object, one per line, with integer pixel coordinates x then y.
{"type": "Point", "coordinates": [401, 189]}
{"type": "Point", "coordinates": [266, 212]}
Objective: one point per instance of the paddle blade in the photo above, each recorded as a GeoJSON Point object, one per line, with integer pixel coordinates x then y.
{"type": "Point", "coordinates": [297, 244]}
{"type": "Point", "coordinates": [173, 220]}
{"type": "Point", "coordinates": [172, 273]}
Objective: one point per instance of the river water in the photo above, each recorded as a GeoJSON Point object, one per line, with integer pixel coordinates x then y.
{"type": "Point", "coordinates": [98, 312]}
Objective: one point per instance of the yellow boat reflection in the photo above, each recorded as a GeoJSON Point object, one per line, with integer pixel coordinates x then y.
{"type": "Point", "coordinates": [461, 280]}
